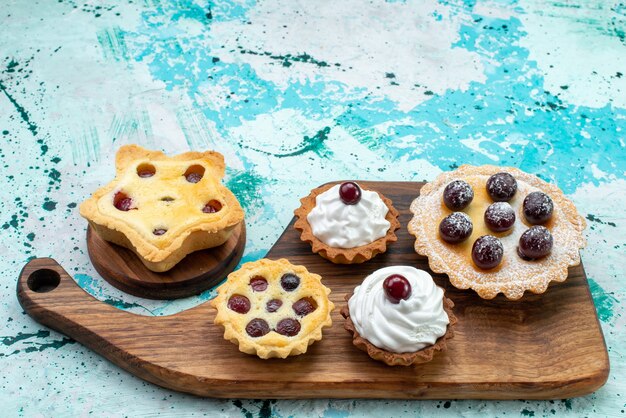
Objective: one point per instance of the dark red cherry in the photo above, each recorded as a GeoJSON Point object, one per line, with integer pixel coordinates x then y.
{"type": "Point", "coordinates": [257, 328]}
{"type": "Point", "coordinates": [350, 193]}
{"type": "Point", "coordinates": [455, 228]}
{"type": "Point", "coordinates": [194, 178]}
{"type": "Point", "coordinates": [457, 195]}
{"type": "Point", "coordinates": [536, 242]}
{"type": "Point", "coordinates": [239, 304]}
{"type": "Point", "coordinates": [145, 170]}
{"type": "Point", "coordinates": [499, 217]}
{"type": "Point", "coordinates": [273, 305]}
{"type": "Point", "coordinates": [501, 187]}
{"type": "Point", "coordinates": [258, 283]}
{"type": "Point", "coordinates": [194, 173]}
{"type": "Point", "coordinates": [122, 202]}
{"type": "Point", "coordinates": [289, 281]}
{"type": "Point", "coordinates": [487, 252]}
{"type": "Point", "coordinates": [304, 306]}
{"type": "Point", "coordinates": [397, 287]}
{"type": "Point", "coordinates": [288, 327]}
{"type": "Point", "coordinates": [537, 208]}
{"type": "Point", "coordinates": [212, 206]}
{"type": "Point", "coordinates": [159, 231]}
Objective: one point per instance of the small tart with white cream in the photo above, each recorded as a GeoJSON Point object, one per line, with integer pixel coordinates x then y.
{"type": "Point", "coordinates": [345, 223]}
{"type": "Point", "coordinates": [399, 316]}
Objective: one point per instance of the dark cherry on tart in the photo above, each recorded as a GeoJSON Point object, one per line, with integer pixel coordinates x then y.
{"type": "Point", "coordinates": [239, 304]}
{"type": "Point", "coordinates": [350, 193]}
{"type": "Point", "coordinates": [213, 206]}
{"type": "Point", "coordinates": [273, 305]}
{"type": "Point", "coordinates": [455, 228]}
{"type": "Point", "coordinates": [258, 283]}
{"type": "Point", "coordinates": [194, 173]}
{"type": "Point", "coordinates": [537, 208]}
{"type": "Point", "coordinates": [457, 195]}
{"type": "Point", "coordinates": [258, 327]}
{"type": "Point", "coordinates": [288, 327]}
{"type": "Point", "coordinates": [146, 170]}
{"type": "Point", "coordinates": [304, 306]}
{"type": "Point", "coordinates": [397, 288]}
{"type": "Point", "coordinates": [487, 252]}
{"type": "Point", "coordinates": [499, 217]}
{"type": "Point", "coordinates": [501, 187]}
{"type": "Point", "coordinates": [122, 201]}
{"type": "Point", "coordinates": [536, 242]}
{"type": "Point", "coordinates": [289, 282]}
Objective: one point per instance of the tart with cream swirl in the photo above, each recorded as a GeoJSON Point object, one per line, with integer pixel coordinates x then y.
{"type": "Point", "coordinates": [399, 316]}
{"type": "Point", "coordinates": [346, 223]}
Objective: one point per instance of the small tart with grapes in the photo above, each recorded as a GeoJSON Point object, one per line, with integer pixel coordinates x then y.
{"type": "Point", "coordinates": [272, 308]}
{"type": "Point", "coordinates": [497, 230]}
{"type": "Point", "coordinates": [163, 208]}
{"type": "Point", "coordinates": [346, 223]}
{"type": "Point", "coordinates": [399, 316]}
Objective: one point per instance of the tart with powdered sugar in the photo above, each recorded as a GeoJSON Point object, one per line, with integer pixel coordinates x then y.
{"type": "Point", "coordinates": [497, 230]}
{"type": "Point", "coordinates": [273, 308]}
{"type": "Point", "coordinates": [345, 223]}
{"type": "Point", "coordinates": [399, 316]}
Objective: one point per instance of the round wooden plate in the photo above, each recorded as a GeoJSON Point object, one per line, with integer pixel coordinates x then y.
{"type": "Point", "coordinates": [195, 273]}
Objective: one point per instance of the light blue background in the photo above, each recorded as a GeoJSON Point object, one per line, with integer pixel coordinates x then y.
{"type": "Point", "coordinates": [294, 94]}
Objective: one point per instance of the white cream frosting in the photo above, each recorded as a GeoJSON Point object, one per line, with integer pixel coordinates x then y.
{"type": "Point", "coordinates": [347, 226]}
{"type": "Point", "coordinates": [407, 326]}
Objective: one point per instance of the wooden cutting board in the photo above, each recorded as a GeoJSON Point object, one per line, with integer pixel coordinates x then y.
{"type": "Point", "coordinates": [546, 346]}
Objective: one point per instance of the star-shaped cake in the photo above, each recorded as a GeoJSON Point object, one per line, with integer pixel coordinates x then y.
{"type": "Point", "coordinates": [163, 208]}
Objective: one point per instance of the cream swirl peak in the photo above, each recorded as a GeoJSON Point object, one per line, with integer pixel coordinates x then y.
{"type": "Point", "coordinates": [339, 225]}
{"type": "Point", "coordinates": [404, 327]}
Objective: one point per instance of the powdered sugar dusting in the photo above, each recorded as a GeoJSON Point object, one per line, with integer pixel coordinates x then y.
{"type": "Point", "coordinates": [501, 209]}
{"type": "Point", "coordinates": [514, 275]}
{"type": "Point", "coordinates": [460, 221]}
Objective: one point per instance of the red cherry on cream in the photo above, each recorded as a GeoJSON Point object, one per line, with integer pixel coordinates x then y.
{"type": "Point", "coordinates": [350, 193]}
{"type": "Point", "coordinates": [397, 287]}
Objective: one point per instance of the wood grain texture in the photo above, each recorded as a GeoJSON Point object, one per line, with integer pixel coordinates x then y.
{"type": "Point", "coordinates": [196, 273]}
{"type": "Point", "coordinates": [546, 346]}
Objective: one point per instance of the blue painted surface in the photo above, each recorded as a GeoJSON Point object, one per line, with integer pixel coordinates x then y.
{"type": "Point", "coordinates": [295, 94]}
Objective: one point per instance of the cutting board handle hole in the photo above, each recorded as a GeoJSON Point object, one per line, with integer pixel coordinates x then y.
{"type": "Point", "coordinates": [43, 280]}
